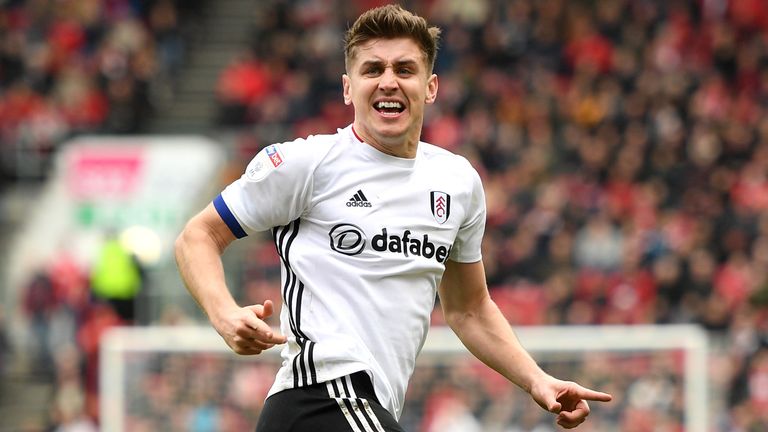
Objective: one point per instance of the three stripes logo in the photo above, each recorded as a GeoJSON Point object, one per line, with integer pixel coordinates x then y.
{"type": "Point", "coordinates": [356, 410]}
{"type": "Point", "coordinates": [304, 370]}
{"type": "Point", "coordinates": [440, 204]}
{"type": "Point", "coordinates": [358, 200]}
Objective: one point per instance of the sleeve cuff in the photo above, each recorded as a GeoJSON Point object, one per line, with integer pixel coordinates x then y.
{"type": "Point", "coordinates": [228, 217]}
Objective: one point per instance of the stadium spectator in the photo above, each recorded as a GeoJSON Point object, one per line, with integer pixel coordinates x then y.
{"type": "Point", "coordinates": [242, 86]}
{"type": "Point", "coordinates": [39, 305]}
{"type": "Point", "coordinates": [117, 278]}
{"type": "Point", "coordinates": [69, 399]}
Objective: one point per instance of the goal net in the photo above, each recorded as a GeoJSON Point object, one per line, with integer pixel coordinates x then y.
{"type": "Point", "coordinates": [186, 378]}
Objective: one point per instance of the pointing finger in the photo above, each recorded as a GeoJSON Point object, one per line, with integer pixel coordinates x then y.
{"type": "Point", "coordinates": [587, 394]}
{"type": "Point", "coordinates": [576, 392]}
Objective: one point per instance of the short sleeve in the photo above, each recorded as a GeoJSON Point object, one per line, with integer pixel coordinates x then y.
{"type": "Point", "coordinates": [467, 245]}
{"type": "Point", "coordinates": [274, 190]}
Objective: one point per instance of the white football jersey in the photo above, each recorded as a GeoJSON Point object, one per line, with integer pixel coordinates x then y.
{"type": "Point", "coordinates": [363, 238]}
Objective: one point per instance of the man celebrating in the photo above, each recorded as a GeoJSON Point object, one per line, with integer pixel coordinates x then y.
{"type": "Point", "coordinates": [370, 224]}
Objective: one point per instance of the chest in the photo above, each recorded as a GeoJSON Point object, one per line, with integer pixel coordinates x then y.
{"type": "Point", "coordinates": [408, 212]}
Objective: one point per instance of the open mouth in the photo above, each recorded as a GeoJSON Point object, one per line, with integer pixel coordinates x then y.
{"type": "Point", "coordinates": [389, 107]}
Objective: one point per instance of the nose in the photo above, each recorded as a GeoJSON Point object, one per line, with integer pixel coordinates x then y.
{"type": "Point", "coordinates": [388, 80]}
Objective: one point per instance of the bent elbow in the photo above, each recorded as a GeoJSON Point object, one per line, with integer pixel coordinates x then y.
{"type": "Point", "coordinates": [467, 313]}
{"type": "Point", "coordinates": [457, 319]}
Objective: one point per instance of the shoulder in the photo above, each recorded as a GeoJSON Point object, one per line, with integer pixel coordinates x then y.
{"type": "Point", "coordinates": [312, 144]}
{"type": "Point", "coordinates": [443, 159]}
{"type": "Point", "coordinates": [300, 156]}
{"type": "Point", "coordinates": [306, 151]}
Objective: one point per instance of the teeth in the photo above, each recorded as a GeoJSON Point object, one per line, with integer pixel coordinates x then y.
{"type": "Point", "coordinates": [396, 105]}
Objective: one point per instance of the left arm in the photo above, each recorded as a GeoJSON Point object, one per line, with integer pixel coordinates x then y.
{"type": "Point", "coordinates": [481, 327]}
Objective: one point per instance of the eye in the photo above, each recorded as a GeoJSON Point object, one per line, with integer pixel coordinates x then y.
{"type": "Point", "coordinates": [404, 71]}
{"type": "Point", "coordinates": [372, 70]}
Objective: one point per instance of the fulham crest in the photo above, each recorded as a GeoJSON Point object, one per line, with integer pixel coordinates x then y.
{"type": "Point", "coordinates": [440, 204]}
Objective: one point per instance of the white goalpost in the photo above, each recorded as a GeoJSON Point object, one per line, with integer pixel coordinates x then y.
{"type": "Point", "coordinates": [119, 373]}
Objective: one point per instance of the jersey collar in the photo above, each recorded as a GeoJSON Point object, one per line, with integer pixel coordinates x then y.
{"type": "Point", "coordinates": [369, 150]}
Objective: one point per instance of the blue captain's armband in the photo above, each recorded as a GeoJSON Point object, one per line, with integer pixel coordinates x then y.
{"type": "Point", "coordinates": [228, 217]}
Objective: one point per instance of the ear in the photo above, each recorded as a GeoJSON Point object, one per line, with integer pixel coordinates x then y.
{"type": "Point", "coordinates": [432, 85]}
{"type": "Point", "coordinates": [347, 86]}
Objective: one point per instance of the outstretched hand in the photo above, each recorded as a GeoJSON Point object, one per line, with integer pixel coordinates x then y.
{"type": "Point", "coordinates": [566, 399]}
{"type": "Point", "coordinates": [245, 331]}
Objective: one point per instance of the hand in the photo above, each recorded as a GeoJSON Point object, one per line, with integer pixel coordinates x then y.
{"type": "Point", "coordinates": [245, 331]}
{"type": "Point", "coordinates": [566, 399]}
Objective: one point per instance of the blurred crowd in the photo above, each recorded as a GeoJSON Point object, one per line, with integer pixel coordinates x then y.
{"type": "Point", "coordinates": [202, 392]}
{"type": "Point", "coordinates": [82, 66]}
{"type": "Point", "coordinates": [623, 145]}
{"type": "Point", "coordinates": [68, 308]}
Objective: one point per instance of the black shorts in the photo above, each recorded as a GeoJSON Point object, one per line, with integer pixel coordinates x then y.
{"type": "Point", "coordinates": [346, 404]}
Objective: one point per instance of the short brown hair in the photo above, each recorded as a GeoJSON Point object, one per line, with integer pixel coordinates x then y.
{"type": "Point", "coordinates": [390, 22]}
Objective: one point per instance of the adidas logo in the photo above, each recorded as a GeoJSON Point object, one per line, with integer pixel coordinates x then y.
{"type": "Point", "coordinates": [358, 200]}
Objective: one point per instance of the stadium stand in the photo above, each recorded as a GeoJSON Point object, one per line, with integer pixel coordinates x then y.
{"type": "Point", "coordinates": [623, 145]}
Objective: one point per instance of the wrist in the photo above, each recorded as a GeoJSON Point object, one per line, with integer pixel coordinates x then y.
{"type": "Point", "coordinates": [218, 314]}
{"type": "Point", "coordinates": [537, 375]}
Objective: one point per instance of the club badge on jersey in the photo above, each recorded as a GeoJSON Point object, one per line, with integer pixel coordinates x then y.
{"type": "Point", "coordinates": [440, 203]}
{"type": "Point", "coordinates": [264, 163]}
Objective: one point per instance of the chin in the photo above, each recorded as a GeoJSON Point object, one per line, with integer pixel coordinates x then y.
{"type": "Point", "coordinates": [393, 129]}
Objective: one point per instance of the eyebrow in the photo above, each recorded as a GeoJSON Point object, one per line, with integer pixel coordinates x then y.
{"type": "Point", "coordinates": [406, 62]}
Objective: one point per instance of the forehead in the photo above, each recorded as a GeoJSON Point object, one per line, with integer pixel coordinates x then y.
{"type": "Point", "coordinates": [389, 51]}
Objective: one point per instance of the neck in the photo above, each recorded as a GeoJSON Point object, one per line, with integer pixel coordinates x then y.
{"type": "Point", "coordinates": [402, 146]}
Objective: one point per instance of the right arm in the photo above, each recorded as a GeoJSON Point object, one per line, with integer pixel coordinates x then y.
{"type": "Point", "coordinates": [198, 256]}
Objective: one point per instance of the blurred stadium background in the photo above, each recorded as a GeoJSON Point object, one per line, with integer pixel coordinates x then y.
{"type": "Point", "coordinates": [623, 146]}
